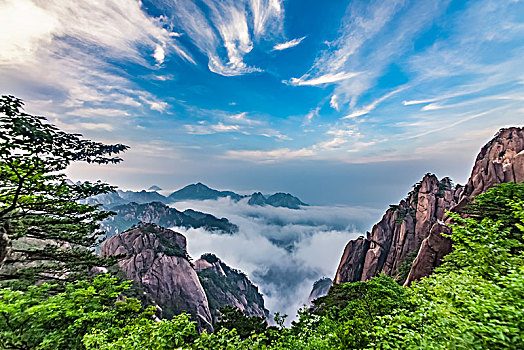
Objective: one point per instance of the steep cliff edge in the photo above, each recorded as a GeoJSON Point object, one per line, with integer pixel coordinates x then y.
{"type": "Point", "coordinates": [226, 286]}
{"type": "Point", "coordinates": [500, 160]}
{"type": "Point", "coordinates": [412, 229]}
{"type": "Point", "coordinates": [157, 260]}
{"type": "Point", "coordinates": [320, 289]}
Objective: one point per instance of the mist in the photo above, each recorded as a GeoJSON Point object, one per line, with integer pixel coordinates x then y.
{"type": "Point", "coordinates": [283, 251]}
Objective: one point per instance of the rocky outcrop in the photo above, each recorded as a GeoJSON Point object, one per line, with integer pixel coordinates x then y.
{"type": "Point", "coordinates": [400, 232]}
{"type": "Point", "coordinates": [226, 286]}
{"type": "Point", "coordinates": [352, 262]}
{"type": "Point", "coordinates": [5, 245]}
{"type": "Point", "coordinates": [500, 160]}
{"type": "Point", "coordinates": [414, 227]}
{"type": "Point", "coordinates": [156, 259]}
{"type": "Point", "coordinates": [320, 289]}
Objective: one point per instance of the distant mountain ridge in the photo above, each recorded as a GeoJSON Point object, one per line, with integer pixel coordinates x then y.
{"type": "Point", "coordinates": [197, 191]}
{"type": "Point", "coordinates": [158, 213]}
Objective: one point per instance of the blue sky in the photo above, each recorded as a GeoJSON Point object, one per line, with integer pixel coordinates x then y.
{"type": "Point", "coordinates": [335, 101]}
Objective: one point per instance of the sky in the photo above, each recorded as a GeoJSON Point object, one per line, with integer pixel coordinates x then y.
{"type": "Point", "coordinates": [337, 102]}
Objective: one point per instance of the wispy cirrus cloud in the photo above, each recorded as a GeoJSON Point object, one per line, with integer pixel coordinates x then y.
{"type": "Point", "coordinates": [275, 155]}
{"type": "Point", "coordinates": [67, 50]}
{"type": "Point", "coordinates": [329, 78]}
{"type": "Point", "coordinates": [240, 123]}
{"type": "Point", "coordinates": [232, 26]}
{"type": "Point", "coordinates": [288, 44]}
{"type": "Point", "coordinates": [370, 107]}
{"type": "Point", "coordinates": [373, 34]}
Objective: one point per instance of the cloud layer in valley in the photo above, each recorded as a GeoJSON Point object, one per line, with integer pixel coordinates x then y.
{"type": "Point", "coordinates": [283, 251]}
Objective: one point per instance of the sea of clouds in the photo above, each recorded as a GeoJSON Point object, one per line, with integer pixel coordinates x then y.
{"type": "Point", "coordinates": [283, 251]}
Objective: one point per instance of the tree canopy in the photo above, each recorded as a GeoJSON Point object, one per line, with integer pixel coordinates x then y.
{"type": "Point", "coordinates": [46, 232]}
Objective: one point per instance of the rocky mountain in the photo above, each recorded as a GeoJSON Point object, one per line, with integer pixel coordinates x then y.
{"type": "Point", "coordinates": [407, 241]}
{"type": "Point", "coordinates": [320, 289]}
{"type": "Point", "coordinates": [279, 199]}
{"type": "Point", "coordinates": [142, 197]}
{"type": "Point", "coordinates": [158, 213]}
{"type": "Point", "coordinates": [226, 286]}
{"type": "Point", "coordinates": [284, 200]}
{"type": "Point", "coordinates": [107, 200]}
{"type": "Point", "coordinates": [156, 259]}
{"type": "Point", "coordinates": [199, 191]}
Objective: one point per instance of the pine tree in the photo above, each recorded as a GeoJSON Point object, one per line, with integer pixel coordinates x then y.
{"type": "Point", "coordinates": [46, 233]}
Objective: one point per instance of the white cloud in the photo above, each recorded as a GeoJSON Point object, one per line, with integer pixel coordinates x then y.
{"type": "Point", "coordinates": [366, 109]}
{"type": "Point", "coordinates": [372, 35]}
{"type": "Point", "coordinates": [339, 136]}
{"type": "Point", "coordinates": [206, 129]}
{"type": "Point", "coordinates": [323, 79]}
{"type": "Point", "coordinates": [225, 128]}
{"type": "Point", "coordinates": [333, 102]}
{"type": "Point", "coordinates": [159, 54]}
{"type": "Point", "coordinates": [457, 122]}
{"type": "Point", "coordinates": [269, 156]}
{"type": "Point", "coordinates": [98, 112]}
{"type": "Point", "coordinates": [309, 117]}
{"type": "Point", "coordinates": [288, 44]}
{"type": "Point", "coordinates": [19, 39]}
{"type": "Point", "coordinates": [226, 26]}
{"type": "Point", "coordinates": [242, 118]}
{"type": "Point", "coordinates": [154, 104]}
{"type": "Point", "coordinates": [65, 50]}
{"type": "Point", "coordinates": [96, 126]}
{"type": "Point", "coordinates": [283, 251]}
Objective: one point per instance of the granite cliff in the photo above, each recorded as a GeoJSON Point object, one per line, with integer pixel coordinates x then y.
{"type": "Point", "coordinates": [320, 289]}
{"type": "Point", "coordinates": [407, 242]}
{"type": "Point", "coordinates": [156, 259]}
{"type": "Point", "coordinates": [226, 286]}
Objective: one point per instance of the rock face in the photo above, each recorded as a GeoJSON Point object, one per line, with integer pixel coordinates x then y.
{"type": "Point", "coordinates": [226, 286]}
{"type": "Point", "coordinates": [320, 289]}
{"type": "Point", "coordinates": [500, 160]}
{"type": "Point", "coordinates": [5, 245]}
{"type": "Point", "coordinates": [412, 229]}
{"type": "Point", "coordinates": [160, 214]}
{"type": "Point", "coordinates": [157, 260]}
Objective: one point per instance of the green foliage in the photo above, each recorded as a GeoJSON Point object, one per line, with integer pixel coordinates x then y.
{"type": "Point", "coordinates": [38, 318]}
{"type": "Point", "coordinates": [52, 234]}
{"type": "Point", "coordinates": [357, 306]}
{"type": "Point", "coordinates": [232, 318]}
{"type": "Point", "coordinates": [405, 266]}
{"type": "Point", "coordinates": [475, 300]}
{"type": "Point", "coordinates": [144, 334]}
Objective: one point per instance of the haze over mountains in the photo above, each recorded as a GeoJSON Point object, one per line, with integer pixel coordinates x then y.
{"type": "Point", "coordinates": [197, 191]}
